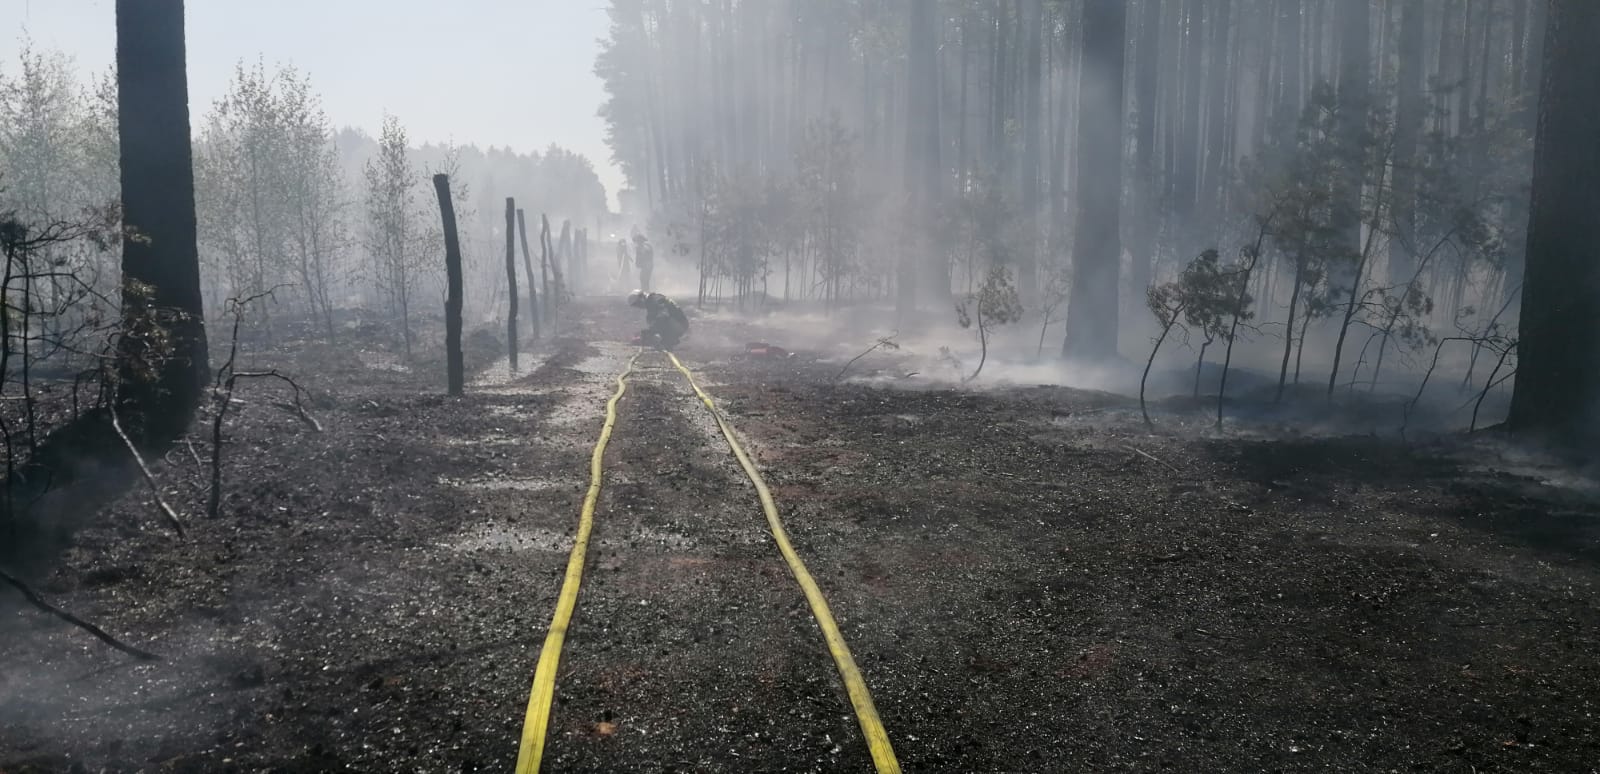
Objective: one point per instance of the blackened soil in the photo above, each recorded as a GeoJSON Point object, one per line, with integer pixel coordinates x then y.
{"type": "Point", "coordinates": [1029, 579]}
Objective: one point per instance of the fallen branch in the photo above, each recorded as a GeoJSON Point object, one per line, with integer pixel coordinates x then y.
{"type": "Point", "coordinates": [28, 593]}
{"type": "Point", "coordinates": [149, 478]}
{"type": "Point", "coordinates": [298, 407]}
{"type": "Point", "coordinates": [887, 342]}
{"type": "Point", "coordinates": [1490, 383]}
{"type": "Point", "coordinates": [1153, 458]}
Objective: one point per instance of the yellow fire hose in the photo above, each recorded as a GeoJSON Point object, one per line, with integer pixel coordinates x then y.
{"type": "Point", "coordinates": [866, 714]}
{"type": "Point", "coordinates": [537, 719]}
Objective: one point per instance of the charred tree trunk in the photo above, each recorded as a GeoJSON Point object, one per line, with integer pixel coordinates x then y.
{"type": "Point", "coordinates": [1097, 244]}
{"type": "Point", "coordinates": [1218, 141]}
{"type": "Point", "coordinates": [922, 146]}
{"type": "Point", "coordinates": [1032, 152]}
{"type": "Point", "coordinates": [533, 278]}
{"type": "Point", "coordinates": [1355, 72]}
{"type": "Point", "coordinates": [1558, 370]}
{"type": "Point", "coordinates": [511, 281]}
{"type": "Point", "coordinates": [160, 256]}
{"type": "Point", "coordinates": [1288, 330]}
{"type": "Point", "coordinates": [1291, 65]}
{"type": "Point", "coordinates": [1186, 179]}
{"type": "Point", "coordinates": [1525, 114]}
{"type": "Point", "coordinates": [1410, 113]}
{"type": "Point", "coordinates": [1141, 244]}
{"type": "Point", "coordinates": [455, 371]}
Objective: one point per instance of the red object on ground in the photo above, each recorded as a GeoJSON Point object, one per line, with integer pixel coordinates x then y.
{"type": "Point", "coordinates": [763, 349]}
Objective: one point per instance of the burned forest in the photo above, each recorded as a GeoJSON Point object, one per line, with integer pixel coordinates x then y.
{"type": "Point", "coordinates": [800, 385]}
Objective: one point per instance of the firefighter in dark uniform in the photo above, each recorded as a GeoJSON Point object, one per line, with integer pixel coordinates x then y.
{"type": "Point", "coordinates": [665, 323]}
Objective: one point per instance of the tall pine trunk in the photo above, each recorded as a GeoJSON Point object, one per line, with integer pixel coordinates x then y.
{"type": "Point", "coordinates": [922, 149]}
{"type": "Point", "coordinates": [160, 256]}
{"type": "Point", "coordinates": [1217, 142]}
{"type": "Point", "coordinates": [1186, 179]}
{"type": "Point", "coordinates": [1097, 244]}
{"type": "Point", "coordinates": [1032, 152]}
{"type": "Point", "coordinates": [1558, 370]}
{"type": "Point", "coordinates": [1410, 113]}
{"type": "Point", "coordinates": [1141, 242]}
{"type": "Point", "coordinates": [1355, 71]}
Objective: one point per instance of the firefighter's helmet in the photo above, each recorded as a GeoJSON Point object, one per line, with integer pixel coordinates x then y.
{"type": "Point", "coordinates": [636, 298]}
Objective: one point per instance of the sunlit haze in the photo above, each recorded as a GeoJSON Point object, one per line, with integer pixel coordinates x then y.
{"type": "Point", "coordinates": [515, 73]}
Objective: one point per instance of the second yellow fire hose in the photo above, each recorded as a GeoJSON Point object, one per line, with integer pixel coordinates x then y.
{"type": "Point", "coordinates": [860, 698]}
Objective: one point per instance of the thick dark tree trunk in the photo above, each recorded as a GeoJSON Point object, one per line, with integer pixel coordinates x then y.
{"type": "Point", "coordinates": [1558, 369]}
{"type": "Point", "coordinates": [455, 371]}
{"type": "Point", "coordinates": [511, 281]}
{"type": "Point", "coordinates": [160, 258]}
{"type": "Point", "coordinates": [1097, 244]}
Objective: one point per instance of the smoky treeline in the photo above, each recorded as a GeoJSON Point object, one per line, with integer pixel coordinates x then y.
{"type": "Point", "coordinates": [333, 221]}
{"type": "Point", "coordinates": [1340, 185]}
{"type": "Point", "coordinates": [307, 233]}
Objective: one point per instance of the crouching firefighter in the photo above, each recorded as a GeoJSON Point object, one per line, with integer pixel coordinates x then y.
{"type": "Point", "coordinates": [665, 323]}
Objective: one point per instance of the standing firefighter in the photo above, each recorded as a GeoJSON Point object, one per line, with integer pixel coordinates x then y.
{"type": "Point", "coordinates": [645, 256]}
{"type": "Point", "coordinates": [665, 323]}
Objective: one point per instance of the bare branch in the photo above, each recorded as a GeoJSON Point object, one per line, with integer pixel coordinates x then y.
{"type": "Point", "coordinates": [37, 601]}
{"type": "Point", "coordinates": [155, 488]}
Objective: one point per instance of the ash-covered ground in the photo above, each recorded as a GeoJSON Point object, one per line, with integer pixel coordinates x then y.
{"type": "Point", "coordinates": [1029, 577]}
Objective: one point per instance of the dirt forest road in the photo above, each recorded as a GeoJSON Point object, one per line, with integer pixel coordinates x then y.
{"type": "Point", "coordinates": [1029, 580]}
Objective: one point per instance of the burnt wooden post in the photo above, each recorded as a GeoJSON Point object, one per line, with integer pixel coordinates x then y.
{"type": "Point", "coordinates": [455, 368]}
{"type": "Point", "coordinates": [552, 299]}
{"type": "Point", "coordinates": [533, 279]}
{"type": "Point", "coordinates": [511, 281]}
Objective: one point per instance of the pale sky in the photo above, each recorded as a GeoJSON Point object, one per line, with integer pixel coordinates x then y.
{"type": "Point", "coordinates": [517, 73]}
